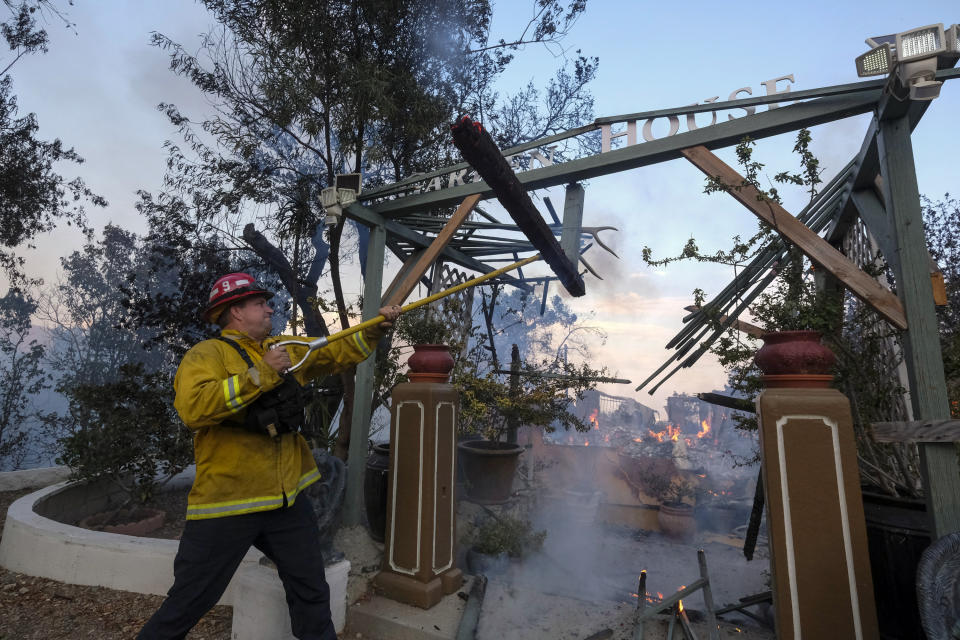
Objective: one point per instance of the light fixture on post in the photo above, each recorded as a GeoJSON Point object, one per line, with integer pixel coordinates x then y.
{"type": "Point", "coordinates": [915, 56]}
{"type": "Point", "coordinates": [343, 193]}
{"type": "Point", "coordinates": [917, 52]}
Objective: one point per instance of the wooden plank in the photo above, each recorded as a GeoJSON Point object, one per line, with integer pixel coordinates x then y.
{"type": "Point", "coordinates": [654, 608]}
{"type": "Point", "coordinates": [739, 325]}
{"type": "Point", "coordinates": [428, 256]}
{"type": "Point", "coordinates": [405, 269]}
{"type": "Point", "coordinates": [917, 431]}
{"type": "Point", "coordinates": [921, 343]}
{"type": "Point", "coordinates": [712, 629]}
{"type": "Point", "coordinates": [813, 246]}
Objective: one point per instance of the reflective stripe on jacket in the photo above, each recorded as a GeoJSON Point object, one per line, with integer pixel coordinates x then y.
{"type": "Point", "coordinates": [240, 471]}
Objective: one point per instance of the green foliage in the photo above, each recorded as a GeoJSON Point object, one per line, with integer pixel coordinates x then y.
{"type": "Point", "coordinates": [423, 325]}
{"type": "Point", "coordinates": [489, 406]}
{"type": "Point", "coordinates": [506, 534]}
{"type": "Point", "coordinates": [127, 433]}
{"type": "Point", "coordinates": [941, 221]}
{"type": "Point", "coordinates": [666, 489]}
{"type": "Point", "coordinates": [34, 196]}
{"type": "Point", "coordinates": [22, 377]}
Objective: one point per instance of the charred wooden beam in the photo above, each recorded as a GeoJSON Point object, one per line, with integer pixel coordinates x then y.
{"type": "Point", "coordinates": [739, 404]}
{"type": "Point", "coordinates": [479, 149]}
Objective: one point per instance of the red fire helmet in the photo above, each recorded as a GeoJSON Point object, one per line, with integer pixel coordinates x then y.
{"type": "Point", "coordinates": [231, 288]}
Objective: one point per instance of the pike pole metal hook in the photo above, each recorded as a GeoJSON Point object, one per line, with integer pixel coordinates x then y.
{"type": "Point", "coordinates": [319, 343]}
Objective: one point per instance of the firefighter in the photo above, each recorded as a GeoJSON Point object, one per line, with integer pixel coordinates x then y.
{"type": "Point", "coordinates": [252, 463]}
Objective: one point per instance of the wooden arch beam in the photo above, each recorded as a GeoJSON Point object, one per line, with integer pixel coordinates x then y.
{"type": "Point", "coordinates": [420, 261]}
{"type": "Point", "coordinates": [813, 246]}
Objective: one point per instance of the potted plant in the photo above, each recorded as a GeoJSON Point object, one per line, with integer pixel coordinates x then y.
{"type": "Point", "coordinates": [497, 538]}
{"type": "Point", "coordinates": [425, 329]}
{"type": "Point", "coordinates": [675, 515]}
{"type": "Point", "coordinates": [491, 407]}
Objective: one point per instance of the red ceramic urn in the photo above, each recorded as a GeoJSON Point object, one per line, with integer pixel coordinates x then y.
{"type": "Point", "coordinates": [430, 363]}
{"type": "Point", "coordinates": [795, 359]}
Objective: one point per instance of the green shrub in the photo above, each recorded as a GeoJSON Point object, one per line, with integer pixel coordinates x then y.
{"type": "Point", "coordinates": [500, 534]}
{"type": "Point", "coordinates": [127, 432]}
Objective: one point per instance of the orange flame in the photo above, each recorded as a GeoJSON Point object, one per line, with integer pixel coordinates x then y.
{"type": "Point", "coordinates": [680, 606]}
{"type": "Point", "coordinates": [593, 419]}
{"type": "Point", "coordinates": [704, 429]}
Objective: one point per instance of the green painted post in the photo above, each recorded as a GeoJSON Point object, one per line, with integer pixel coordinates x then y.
{"type": "Point", "coordinates": [928, 389]}
{"type": "Point", "coordinates": [363, 387]}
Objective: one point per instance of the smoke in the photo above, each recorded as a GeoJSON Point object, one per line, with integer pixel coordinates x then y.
{"type": "Point", "coordinates": [602, 527]}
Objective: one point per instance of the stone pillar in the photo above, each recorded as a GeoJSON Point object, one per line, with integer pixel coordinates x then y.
{"type": "Point", "coordinates": [419, 554]}
{"type": "Point", "coordinates": [818, 544]}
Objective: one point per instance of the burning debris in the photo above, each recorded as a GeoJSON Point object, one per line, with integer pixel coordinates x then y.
{"type": "Point", "coordinates": [630, 457]}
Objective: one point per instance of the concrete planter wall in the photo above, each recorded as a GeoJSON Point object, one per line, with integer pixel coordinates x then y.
{"type": "Point", "coordinates": [35, 543]}
{"type": "Point", "coordinates": [32, 478]}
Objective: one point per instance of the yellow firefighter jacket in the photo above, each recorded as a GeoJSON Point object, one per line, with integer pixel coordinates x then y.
{"type": "Point", "coordinates": [241, 471]}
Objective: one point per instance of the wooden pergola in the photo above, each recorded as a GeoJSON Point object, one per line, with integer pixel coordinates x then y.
{"type": "Point", "coordinates": [877, 187]}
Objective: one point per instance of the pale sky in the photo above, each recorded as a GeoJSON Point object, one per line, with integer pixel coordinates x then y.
{"type": "Point", "coordinates": [97, 90]}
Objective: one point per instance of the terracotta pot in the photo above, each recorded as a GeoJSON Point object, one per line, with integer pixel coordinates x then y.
{"type": "Point", "coordinates": [676, 521]}
{"type": "Point", "coordinates": [430, 363]}
{"type": "Point", "coordinates": [488, 469]}
{"type": "Point", "coordinates": [795, 359]}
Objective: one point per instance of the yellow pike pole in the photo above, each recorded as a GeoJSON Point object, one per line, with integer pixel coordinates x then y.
{"type": "Point", "coordinates": [340, 335]}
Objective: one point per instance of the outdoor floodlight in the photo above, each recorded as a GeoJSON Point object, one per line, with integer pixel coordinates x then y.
{"type": "Point", "coordinates": [876, 62]}
{"type": "Point", "coordinates": [914, 55]}
{"type": "Point", "coordinates": [953, 40]}
{"type": "Point", "coordinates": [342, 194]}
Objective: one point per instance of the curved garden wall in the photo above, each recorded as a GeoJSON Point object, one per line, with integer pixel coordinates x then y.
{"type": "Point", "coordinates": [36, 542]}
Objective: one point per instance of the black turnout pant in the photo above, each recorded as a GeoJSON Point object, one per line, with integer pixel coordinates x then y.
{"type": "Point", "coordinates": [210, 552]}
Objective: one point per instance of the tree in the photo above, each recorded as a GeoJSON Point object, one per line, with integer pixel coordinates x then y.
{"type": "Point", "coordinates": [87, 314]}
{"type": "Point", "coordinates": [34, 197]}
{"type": "Point", "coordinates": [22, 377]}
{"type": "Point", "coordinates": [515, 317]}
{"type": "Point", "coordinates": [305, 91]}
{"type": "Point", "coordinates": [941, 221]}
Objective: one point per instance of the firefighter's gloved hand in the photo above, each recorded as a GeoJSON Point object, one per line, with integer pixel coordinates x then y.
{"type": "Point", "coordinates": [277, 359]}
{"type": "Point", "coordinates": [391, 313]}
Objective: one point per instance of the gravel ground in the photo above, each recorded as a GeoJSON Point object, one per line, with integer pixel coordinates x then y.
{"type": "Point", "coordinates": [36, 608]}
